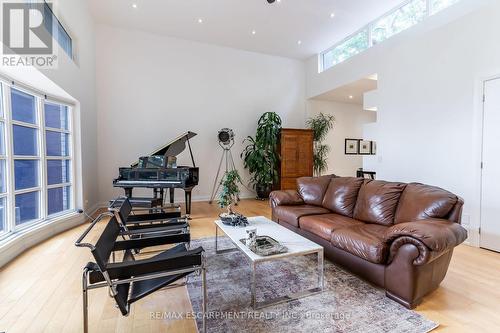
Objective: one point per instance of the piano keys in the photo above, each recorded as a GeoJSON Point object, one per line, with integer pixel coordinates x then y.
{"type": "Point", "coordinates": [155, 171]}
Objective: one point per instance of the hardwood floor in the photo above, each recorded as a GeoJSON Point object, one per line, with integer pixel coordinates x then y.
{"type": "Point", "coordinates": [40, 291]}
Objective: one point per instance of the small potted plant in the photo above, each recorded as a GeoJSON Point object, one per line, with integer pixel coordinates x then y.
{"type": "Point", "coordinates": [228, 196]}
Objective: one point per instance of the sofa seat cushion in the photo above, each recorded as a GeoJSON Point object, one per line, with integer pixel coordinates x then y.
{"type": "Point", "coordinates": [365, 241]}
{"type": "Point", "coordinates": [377, 202]}
{"type": "Point", "coordinates": [291, 214]}
{"type": "Point", "coordinates": [421, 202]}
{"type": "Point", "coordinates": [323, 225]}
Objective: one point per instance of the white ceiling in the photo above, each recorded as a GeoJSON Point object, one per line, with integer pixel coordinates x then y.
{"type": "Point", "coordinates": [278, 27]}
{"type": "Point", "coordinates": [351, 93]}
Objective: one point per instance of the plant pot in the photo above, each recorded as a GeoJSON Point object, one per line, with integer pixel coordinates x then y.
{"type": "Point", "coordinates": [263, 191]}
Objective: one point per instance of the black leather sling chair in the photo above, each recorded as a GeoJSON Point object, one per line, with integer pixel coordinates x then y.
{"type": "Point", "coordinates": [130, 280]}
{"type": "Point", "coordinates": [122, 209]}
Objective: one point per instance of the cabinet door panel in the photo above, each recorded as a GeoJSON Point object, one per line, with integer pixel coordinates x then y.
{"type": "Point", "coordinates": [290, 156]}
{"type": "Point", "coordinates": [289, 183]}
{"type": "Point", "coordinates": [304, 163]}
{"type": "Point", "coordinates": [296, 156]}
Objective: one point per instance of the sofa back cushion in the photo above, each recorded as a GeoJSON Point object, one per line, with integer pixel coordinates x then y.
{"type": "Point", "coordinates": [312, 189]}
{"type": "Point", "coordinates": [341, 194]}
{"type": "Point", "coordinates": [377, 201]}
{"type": "Point", "coordinates": [419, 202]}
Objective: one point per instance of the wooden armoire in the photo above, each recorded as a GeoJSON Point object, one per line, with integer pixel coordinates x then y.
{"type": "Point", "coordinates": [296, 150]}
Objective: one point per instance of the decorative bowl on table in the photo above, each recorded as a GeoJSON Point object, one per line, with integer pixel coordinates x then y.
{"type": "Point", "coordinates": [265, 246]}
{"type": "Point", "coordinates": [234, 219]}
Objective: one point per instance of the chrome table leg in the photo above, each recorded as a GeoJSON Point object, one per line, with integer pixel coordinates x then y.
{"type": "Point", "coordinates": [253, 287]}
{"type": "Point", "coordinates": [204, 292]}
{"type": "Point", "coordinates": [293, 296]}
{"type": "Point", "coordinates": [321, 279]}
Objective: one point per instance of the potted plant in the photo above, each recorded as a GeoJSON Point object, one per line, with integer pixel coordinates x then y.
{"type": "Point", "coordinates": [229, 195]}
{"type": "Point", "coordinates": [260, 155]}
{"type": "Point", "coordinates": [229, 190]}
{"type": "Point", "coordinates": [321, 125]}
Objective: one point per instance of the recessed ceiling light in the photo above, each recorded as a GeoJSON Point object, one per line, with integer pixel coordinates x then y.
{"type": "Point", "coordinates": [332, 15]}
{"type": "Point", "coordinates": [134, 5]}
{"type": "Point", "coordinates": [299, 42]}
{"type": "Point", "coordinates": [200, 20]}
{"type": "Point", "coordinates": [351, 96]}
{"type": "Point", "coordinates": [254, 32]}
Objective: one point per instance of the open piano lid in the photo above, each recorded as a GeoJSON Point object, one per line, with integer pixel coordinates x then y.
{"type": "Point", "coordinates": [173, 148]}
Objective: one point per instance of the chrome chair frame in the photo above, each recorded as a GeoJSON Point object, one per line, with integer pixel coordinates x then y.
{"type": "Point", "coordinates": [112, 284]}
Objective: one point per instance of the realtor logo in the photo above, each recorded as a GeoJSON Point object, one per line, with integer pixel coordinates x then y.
{"type": "Point", "coordinates": [27, 34]}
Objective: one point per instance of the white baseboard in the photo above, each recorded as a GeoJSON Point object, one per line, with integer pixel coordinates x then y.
{"type": "Point", "coordinates": [19, 242]}
{"type": "Point", "coordinates": [473, 238]}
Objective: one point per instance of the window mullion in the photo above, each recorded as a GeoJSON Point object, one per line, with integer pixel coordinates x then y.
{"type": "Point", "coordinates": [72, 161]}
{"type": "Point", "coordinates": [370, 39]}
{"type": "Point", "coordinates": [9, 149]}
{"type": "Point", "coordinates": [43, 160]}
{"type": "Point", "coordinates": [28, 190]}
{"type": "Point", "coordinates": [61, 185]}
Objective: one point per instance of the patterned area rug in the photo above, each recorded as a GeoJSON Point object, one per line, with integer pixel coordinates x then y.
{"type": "Point", "coordinates": [347, 304]}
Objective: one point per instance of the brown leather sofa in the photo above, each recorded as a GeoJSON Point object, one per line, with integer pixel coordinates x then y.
{"type": "Point", "coordinates": [395, 235]}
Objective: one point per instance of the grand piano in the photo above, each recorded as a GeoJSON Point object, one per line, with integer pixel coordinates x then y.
{"type": "Point", "coordinates": [159, 171]}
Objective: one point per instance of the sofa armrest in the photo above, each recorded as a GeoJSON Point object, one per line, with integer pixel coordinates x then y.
{"type": "Point", "coordinates": [432, 237]}
{"type": "Point", "coordinates": [285, 198]}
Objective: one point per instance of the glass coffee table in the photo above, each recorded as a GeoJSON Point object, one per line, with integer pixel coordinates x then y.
{"type": "Point", "coordinates": [296, 244]}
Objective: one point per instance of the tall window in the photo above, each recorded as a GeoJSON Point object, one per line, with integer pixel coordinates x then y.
{"type": "Point", "coordinates": [408, 14]}
{"type": "Point", "coordinates": [25, 139]}
{"type": "Point", "coordinates": [3, 163]}
{"type": "Point", "coordinates": [58, 159]}
{"type": "Point", "coordinates": [35, 159]}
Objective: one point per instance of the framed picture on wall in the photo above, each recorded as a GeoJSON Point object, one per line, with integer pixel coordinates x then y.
{"type": "Point", "coordinates": [374, 148]}
{"type": "Point", "coordinates": [351, 146]}
{"type": "Point", "coordinates": [364, 147]}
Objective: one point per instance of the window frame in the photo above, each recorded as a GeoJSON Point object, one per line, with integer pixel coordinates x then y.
{"type": "Point", "coordinates": [373, 24]}
{"type": "Point", "coordinates": [3, 120]}
{"type": "Point", "coordinates": [69, 157]}
{"type": "Point", "coordinates": [42, 158]}
{"type": "Point", "coordinates": [429, 11]}
{"type": "Point", "coordinates": [56, 23]}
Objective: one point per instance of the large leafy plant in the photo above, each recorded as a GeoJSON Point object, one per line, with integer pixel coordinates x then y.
{"type": "Point", "coordinates": [320, 125]}
{"type": "Point", "coordinates": [230, 190]}
{"type": "Point", "coordinates": [260, 155]}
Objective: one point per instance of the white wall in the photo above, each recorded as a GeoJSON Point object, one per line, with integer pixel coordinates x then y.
{"type": "Point", "coordinates": [349, 122]}
{"type": "Point", "coordinates": [429, 94]}
{"type": "Point", "coordinates": [152, 88]}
